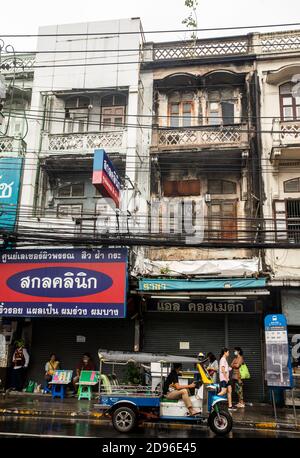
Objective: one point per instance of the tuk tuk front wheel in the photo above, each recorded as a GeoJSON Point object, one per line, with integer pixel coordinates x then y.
{"type": "Point", "coordinates": [220, 422]}
{"type": "Point", "coordinates": [124, 419]}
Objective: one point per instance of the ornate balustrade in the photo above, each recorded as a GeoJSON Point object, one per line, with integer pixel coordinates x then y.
{"type": "Point", "coordinates": [113, 140]}
{"type": "Point", "coordinates": [264, 43]}
{"type": "Point", "coordinates": [201, 48]}
{"type": "Point", "coordinates": [199, 137]}
{"type": "Point", "coordinates": [12, 145]}
{"type": "Point", "coordinates": [277, 42]}
{"type": "Point", "coordinates": [286, 132]}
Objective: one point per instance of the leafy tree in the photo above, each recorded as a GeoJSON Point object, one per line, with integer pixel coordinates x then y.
{"type": "Point", "coordinates": [191, 21]}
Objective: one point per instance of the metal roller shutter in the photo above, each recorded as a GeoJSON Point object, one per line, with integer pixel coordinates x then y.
{"type": "Point", "coordinates": [245, 332]}
{"type": "Point", "coordinates": [163, 332]}
{"type": "Point", "coordinates": [59, 336]}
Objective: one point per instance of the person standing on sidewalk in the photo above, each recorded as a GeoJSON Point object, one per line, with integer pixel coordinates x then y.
{"type": "Point", "coordinates": [20, 362]}
{"type": "Point", "coordinates": [212, 367]}
{"type": "Point", "coordinates": [237, 382]}
{"type": "Point", "coordinates": [224, 374]}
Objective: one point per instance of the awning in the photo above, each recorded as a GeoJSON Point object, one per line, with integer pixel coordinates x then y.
{"type": "Point", "coordinates": [159, 285]}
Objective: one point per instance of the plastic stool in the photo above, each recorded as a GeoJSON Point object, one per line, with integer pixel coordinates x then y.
{"type": "Point", "coordinates": [58, 391]}
{"type": "Point", "coordinates": [84, 392]}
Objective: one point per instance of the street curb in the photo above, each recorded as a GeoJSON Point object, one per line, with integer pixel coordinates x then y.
{"type": "Point", "coordinates": [93, 415]}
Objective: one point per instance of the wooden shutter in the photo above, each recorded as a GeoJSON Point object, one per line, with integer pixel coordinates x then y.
{"type": "Point", "coordinates": [229, 226]}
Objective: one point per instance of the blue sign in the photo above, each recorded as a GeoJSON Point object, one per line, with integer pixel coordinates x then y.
{"type": "Point", "coordinates": [152, 284]}
{"type": "Point", "coordinates": [10, 176]}
{"type": "Point", "coordinates": [279, 367]}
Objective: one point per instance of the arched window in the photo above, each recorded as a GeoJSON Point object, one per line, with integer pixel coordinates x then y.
{"type": "Point", "coordinates": [289, 102]}
{"type": "Point", "coordinates": [292, 185]}
{"type": "Point", "coordinates": [113, 110]}
{"type": "Point", "coordinates": [221, 187]}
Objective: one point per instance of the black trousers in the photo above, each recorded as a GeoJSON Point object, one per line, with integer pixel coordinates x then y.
{"type": "Point", "coordinates": [17, 378]}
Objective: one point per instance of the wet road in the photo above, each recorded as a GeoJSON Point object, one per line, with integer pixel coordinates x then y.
{"type": "Point", "coordinates": [69, 428]}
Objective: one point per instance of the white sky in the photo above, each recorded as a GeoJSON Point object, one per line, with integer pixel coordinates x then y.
{"type": "Point", "coordinates": [25, 16]}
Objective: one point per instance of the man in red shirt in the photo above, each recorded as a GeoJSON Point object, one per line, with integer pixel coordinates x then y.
{"type": "Point", "coordinates": [86, 364]}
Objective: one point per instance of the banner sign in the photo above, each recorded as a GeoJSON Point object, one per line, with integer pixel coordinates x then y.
{"type": "Point", "coordinates": [152, 284]}
{"type": "Point", "coordinates": [10, 176]}
{"type": "Point", "coordinates": [63, 283]}
{"type": "Point", "coordinates": [201, 306]}
{"type": "Point", "coordinates": [105, 176]}
{"type": "Point", "coordinates": [279, 369]}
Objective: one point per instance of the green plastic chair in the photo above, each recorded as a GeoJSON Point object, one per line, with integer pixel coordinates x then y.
{"type": "Point", "coordinates": [86, 381]}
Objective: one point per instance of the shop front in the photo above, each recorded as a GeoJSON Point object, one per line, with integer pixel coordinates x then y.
{"type": "Point", "coordinates": [207, 315]}
{"type": "Point", "coordinates": [67, 302]}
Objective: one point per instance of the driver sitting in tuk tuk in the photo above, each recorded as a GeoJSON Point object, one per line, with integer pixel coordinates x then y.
{"type": "Point", "coordinates": [172, 389]}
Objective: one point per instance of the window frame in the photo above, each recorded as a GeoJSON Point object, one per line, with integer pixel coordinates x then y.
{"type": "Point", "coordinates": [288, 181]}
{"type": "Point", "coordinates": [180, 117]}
{"type": "Point", "coordinates": [222, 187]}
{"type": "Point", "coordinates": [221, 217]}
{"type": "Point", "coordinates": [113, 116]}
{"type": "Point", "coordinates": [70, 215]}
{"type": "Point", "coordinates": [294, 105]}
{"type": "Point", "coordinates": [71, 196]}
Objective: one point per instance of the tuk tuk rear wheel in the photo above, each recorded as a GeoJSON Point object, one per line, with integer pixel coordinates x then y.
{"type": "Point", "coordinates": [220, 423]}
{"type": "Point", "coordinates": [124, 419]}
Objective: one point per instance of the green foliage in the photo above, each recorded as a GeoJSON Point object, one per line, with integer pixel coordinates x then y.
{"type": "Point", "coordinates": [191, 21]}
{"type": "Point", "coordinates": [133, 374]}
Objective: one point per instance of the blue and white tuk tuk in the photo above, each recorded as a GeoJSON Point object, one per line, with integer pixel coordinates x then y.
{"type": "Point", "coordinates": [129, 404]}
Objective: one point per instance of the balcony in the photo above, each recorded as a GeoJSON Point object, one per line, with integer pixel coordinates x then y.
{"type": "Point", "coordinates": [12, 145]}
{"type": "Point", "coordinates": [242, 45]}
{"type": "Point", "coordinates": [200, 137]}
{"type": "Point", "coordinates": [112, 141]}
{"type": "Point", "coordinates": [286, 132]}
{"type": "Point", "coordinates": [286, 141]}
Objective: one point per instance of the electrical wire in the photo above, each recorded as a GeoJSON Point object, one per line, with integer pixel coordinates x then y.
{"type": "Point", "coordinates": [131, 32]}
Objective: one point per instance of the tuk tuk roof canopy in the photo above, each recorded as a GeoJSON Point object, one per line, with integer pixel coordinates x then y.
{"type": "Point", "coordinates": [139, 357]}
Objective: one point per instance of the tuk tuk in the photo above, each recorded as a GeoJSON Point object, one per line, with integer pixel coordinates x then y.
{"type": "Point", "coordinates": [127, 405]}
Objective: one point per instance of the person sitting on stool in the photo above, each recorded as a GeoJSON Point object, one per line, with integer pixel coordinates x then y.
{"type": "Point", "coordinates": [172, 389]}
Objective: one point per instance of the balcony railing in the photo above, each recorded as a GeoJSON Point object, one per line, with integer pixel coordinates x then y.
{"type": "Point", "coordinates": [112, 141]}
{"type": "Point", "coordinates": [12, 145]}
{"type": "Point", "coordinates": [286, 132]}
{"type": "Point", "coordinates": [201, 48]}
{"type": "Point", "coordinates": [278, 42]}
{"type": "Point", "coordinates": [259, 44]}
{"type": "Point", "coordinates": [165, 138]}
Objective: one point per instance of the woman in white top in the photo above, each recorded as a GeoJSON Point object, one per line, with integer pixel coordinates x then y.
{"type": "Point", "coordinates": [224, 372]}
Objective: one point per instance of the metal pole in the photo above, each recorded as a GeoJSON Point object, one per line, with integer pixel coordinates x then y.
{"type": "Point", "coordinates": [99, 385]}
{"type": "Point", "coordinates": [274, 404]}
{"type": "Point", "coordinates": [294, 406]}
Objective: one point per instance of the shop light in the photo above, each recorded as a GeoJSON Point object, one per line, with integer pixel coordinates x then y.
{"type": "Point", "coordinates": [226, 297]}
{"type": "Point", "coordinates": [170, 297]}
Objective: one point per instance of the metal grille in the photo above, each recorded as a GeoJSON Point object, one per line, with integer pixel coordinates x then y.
{"type": "Point", "coordinates": [245, 332]}
{"type": "Point", "coordinates": [163, 332]}
{"type": "Point", "coordinates": [293, 220]}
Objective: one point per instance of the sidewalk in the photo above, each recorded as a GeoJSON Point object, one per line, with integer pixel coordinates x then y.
{"type": "Point", "coordinates": [257, 416]}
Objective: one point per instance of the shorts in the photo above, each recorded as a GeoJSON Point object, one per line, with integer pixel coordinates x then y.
{"type": "Point", "coordinates": [224, 384]}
